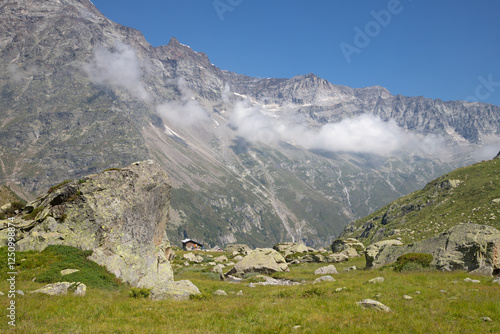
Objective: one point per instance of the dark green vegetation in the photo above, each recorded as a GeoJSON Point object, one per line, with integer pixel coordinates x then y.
{"type": "Point", "coordinates": [46, 266]}
{"type": "Point", "coordinates": [309, 308]}
{"type": "Point", "coordinates": [413, 261]}
{"type": "Point", "coordinates": [466, 195]}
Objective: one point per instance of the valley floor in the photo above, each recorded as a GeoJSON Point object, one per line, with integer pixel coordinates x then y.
{"type": "Point", "coordinates": [441, 303]}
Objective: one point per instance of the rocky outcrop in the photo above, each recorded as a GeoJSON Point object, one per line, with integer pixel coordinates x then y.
{"type": "Point", "coordinates": [261, 260]}
{"type": "Point", "coordinates": [469, 247]}
{"type": "Point", "coordinates": [340, 245]}
{"type": "Point", "coordinates": [120, 214]}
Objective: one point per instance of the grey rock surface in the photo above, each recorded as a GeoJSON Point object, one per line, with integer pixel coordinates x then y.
{"type": "Point", "coordinates": [261, 260]}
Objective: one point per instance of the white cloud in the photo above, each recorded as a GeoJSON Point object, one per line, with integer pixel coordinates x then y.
{"type": "Point", "coordinates": [362, 134]}
{"type": "Point", "coordinates": [118, 67]}
{"type": "Point", "coordinates": [15, 73]}
{"type": "Point", "coordinates": [185, 112]}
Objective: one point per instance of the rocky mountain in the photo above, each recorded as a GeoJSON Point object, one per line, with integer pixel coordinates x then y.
{"type": "Point", "coordinates": [252, 160]}
{"type": "Point", "coordinates": [468, 195]}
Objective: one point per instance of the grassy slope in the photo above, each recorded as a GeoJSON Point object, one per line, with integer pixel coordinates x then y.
{"type": "Point", "coordinates": [270, 309]}
{"type": "Point", "coordinates": [435, 209]}
{"type": "Point", "coordinates": [7, 195]}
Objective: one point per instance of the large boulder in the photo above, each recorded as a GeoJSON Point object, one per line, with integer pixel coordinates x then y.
{"type": "Point", "coordinates": [178, 290]}
{"type": "Point", "coordinates": [469, 247]}
{"type": "Point", "coordinates": [261, 260]}
{"type": "Point", "coordinates": [120, 214]}
{"type": "Point", "coordinates": [340, 245]}
{"type": "Point", "coordinates": [240, 248]}
{"type": "Point", "coordinates": [374, 253]}
{"type": "Point", "coordinates": [62, 288]}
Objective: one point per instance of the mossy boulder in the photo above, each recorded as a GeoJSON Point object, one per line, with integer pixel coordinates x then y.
{"type": "Point", "coordinates": [120, 214]}
{"type": "Point", "coordinates": [262, 260]}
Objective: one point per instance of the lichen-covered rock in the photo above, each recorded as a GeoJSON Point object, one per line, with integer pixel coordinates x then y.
{"type": "Point", "coordinates": [120, 214]}
{"type": "Point", "coordinates": [342, 244]}
{"type": "Point", "coordinates": [373, 304]}
{"type": "Point", "coordinates": [261, 260]}
{"type": "Point", "coordinates": [240, 248]}
{"type": "Point", "coordinates": [374, 251]}
{"type": "Point", "coordinates": [350, 252]}
{"type": "Point", "coordinates": [330, 269]}
{"type": "Point", "coordinates": [65, 272]}
{"type": "Point", "coordinates": [292, 248]}
{"type": "Point", "coordinates": [62, 288]}
{"type": "Point", "coordinates": [178, 290]}
{"type": "Point", "coordinates": [469, 247]}
{"type": "Point", "coordinates": [337, 257]}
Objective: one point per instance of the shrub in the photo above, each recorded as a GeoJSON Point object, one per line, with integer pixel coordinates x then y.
{"type": "Point", "coordinates": [313, 292]}
{"type": "Point", "coordinates": [413, 261]}
{"type": "Point", "coordinates": [140, 293]}
{"type": "Point", "coordinates": [32, 214]}
{"type": "Point", "coordinates": [201, 296]}
{"type": "Point", "coordinates": [284, 294]}
{"type": "Point", "coordinates": [57, 186]}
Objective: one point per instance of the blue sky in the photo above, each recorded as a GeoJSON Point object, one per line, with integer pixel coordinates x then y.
{"type": "Point", "coordinates": [438, 49]}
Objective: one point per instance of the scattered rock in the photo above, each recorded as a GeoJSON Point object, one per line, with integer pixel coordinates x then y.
{"type": "Point", "coordinates": [186, 264]}
{"type": "Point", "coordinates": [351, 268]}
{"type": "Point", "coordinates": [326, 270]}
{"type": "Point", "coordinates": [338, 257]}
{"type": "Point", "coordinates": [296, 327]}
{"type": "Point", "coordinates": [326, 278]}
{"type": "Point", "coordinates": [468, 280]}
{"type": "Point", "coordinates": [189, 256]}
{"type": "Point", "coordinates": [496, 280]}
{"type": "Point", "coordinates": [443, 291]}
{"type": "Point", "coordinates": [350, 252]}
{"type": "Point", "coordinates": [273, 281]}
{"type": "Point", "coordinates": [212, 263]}
{"type": "Point", "coordinates": [238, 249]}
{"type": "Point", "coordinates": [261, 260]}
{"type": "Point", "coordinates": [178, 290]}
{"type": "Point", "coordinates": [61, 288]}
{"type": "Point", "coordinates": [238, 258]}
{"type": "Point", "coordinates": [339, 289]}
{"type": "Point", "coordinates": [406, 297]}
{"type": "Point", "coordinates": [417, 292]}
{"type": "Point", "coordinates": [81, 290]}
{"type": "Point", "coordinates": [198, 259]}
{"type": "Point", "coordinates": [292, 248]}
{"type": "Point", "coordinates": [221, 258]}
{"type": "Point", "coordinates": [373, 304]}
{"type": "Point", "coordinates": [68, 271]}
{"type": "Point", "coordinates": [220, 293]}
{"type": "Point", "coordinates": [1, 293]}
{"type": "Point", "coordinates": [376, 280]}
{"type": "Point", "coordinates": [20, 292]}
{"type": "Point", "coordinates": [239, 293]}
{"type": "Point", "coordinates": [469, 247]}
{"type": "Point", "coordinates": [486, 319]}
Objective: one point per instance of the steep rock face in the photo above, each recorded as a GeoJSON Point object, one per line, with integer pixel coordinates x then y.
{"type": "Point", "coordinates": [468, 247]}
{"type": "Point", "coordinates": [120, 214]}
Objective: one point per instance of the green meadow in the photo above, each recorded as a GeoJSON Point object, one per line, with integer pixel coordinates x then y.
{"type": "Point", "coordinates": [441, 302]}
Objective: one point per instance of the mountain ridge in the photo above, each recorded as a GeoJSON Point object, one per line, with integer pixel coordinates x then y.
{"type": "Point", "coordinates": [250, 159]}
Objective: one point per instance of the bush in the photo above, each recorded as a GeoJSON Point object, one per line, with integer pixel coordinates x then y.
{"type": "Point", "coordinates": [313, 292]}
{"type": "Point", "coordinates": [201, 296]}
{"type": "Point", "coordinates": [32, 214]}
{"type": "Point", "coordinates": [413, 261]}
{"type": "Point", "coordinates": [140, 293]}
{"type": "Point", "coordinates": [57, 186]}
